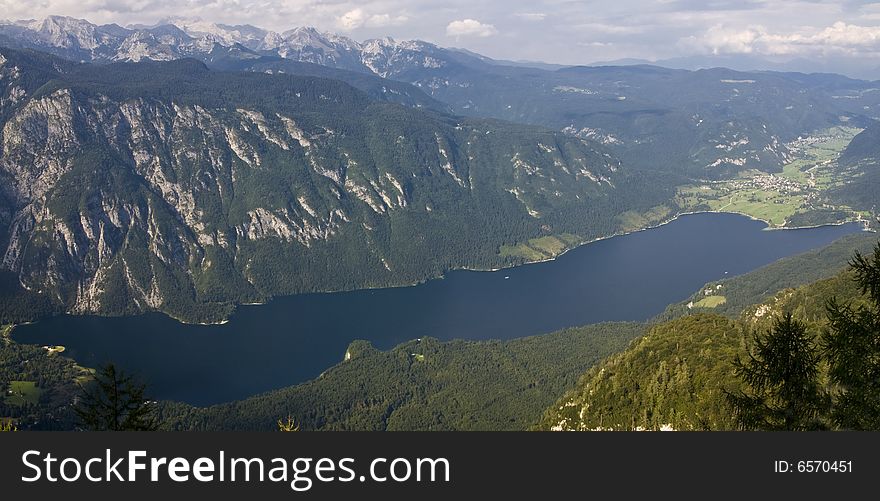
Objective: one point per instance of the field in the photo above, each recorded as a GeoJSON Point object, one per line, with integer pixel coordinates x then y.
{"type": "Point", "coordinates": [633, 221]}
{"type": "Point", "coordinates": [23, 392]}
{"type": "Point", "coordinates": [539, 249]}
{"type": "Point", "coordinates": [777, 198]}
{"type": "Point", "coordinates": [710, 302]}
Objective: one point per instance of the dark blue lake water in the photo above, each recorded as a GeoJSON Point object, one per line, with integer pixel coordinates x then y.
{"type": "Point", "coordinates": [293, 339]}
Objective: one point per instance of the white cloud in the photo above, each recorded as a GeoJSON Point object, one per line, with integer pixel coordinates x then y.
{"type": "Point", "coordinates": [352, 19]}
{"type": "Point", "coordinates": [848, 35]}
{"type": "Point", "coordinates": [358, 18]}
{"type": "Point", "coordinates": [470, 27]}
{"type": "Point", "coordinates": [611, 29]}
{"type": "Point", "coordinates": [722, 40]}
{"type": "Point", "coordinates": [840, 37]}
{"type": "Point", "coordinates": [531, 16]}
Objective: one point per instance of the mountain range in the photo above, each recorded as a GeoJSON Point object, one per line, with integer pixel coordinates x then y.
{"type": "Point", "coordinates": [842, 64]}
{"type": "Point", "coordinates": [708, 123]}
{"type": "Point", "coordinates": [169, 186]}
{"type": "Point", "coordinates": [190, 167]}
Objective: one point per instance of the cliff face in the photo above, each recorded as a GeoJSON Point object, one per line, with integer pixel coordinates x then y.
{"type": "Point", "coordinates": [173, 188]}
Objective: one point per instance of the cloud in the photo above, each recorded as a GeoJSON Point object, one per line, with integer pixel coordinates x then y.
{"type": "Point", "coordinates": [610, 29]}
{"type": "Point", "coordinates": [848, 35]}
{"type": "Point", "coordinates": [358, 18]}
{"type": "Point", "coordinates": [723, 40]}
{"type": "Point", "coordinates": [470, 27]}
{"type": "Point", "coordinates": [840, 37]}
{"type": "Point", "coordinates": [531, 16]}
{"type": "Point", "coordinates": [595, 44]}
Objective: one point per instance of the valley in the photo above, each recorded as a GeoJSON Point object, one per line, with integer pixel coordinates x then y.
{"type": "Point", "coordinates": [380, 234]}
{"type": "Point", "coordinates": [296, 338]}
{"type": "Point", "coordinates": [796, 197]}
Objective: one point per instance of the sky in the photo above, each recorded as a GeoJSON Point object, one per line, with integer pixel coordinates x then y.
{"type": "Point", "coordinates": [556, 31]}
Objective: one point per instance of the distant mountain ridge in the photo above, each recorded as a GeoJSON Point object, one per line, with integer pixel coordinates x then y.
{"type": "Point", "coordinates": [852, 67]}
{"type": "Point", "coordinates": [81, 40]}
{"type": "Point", "coordinates": [709, 123]}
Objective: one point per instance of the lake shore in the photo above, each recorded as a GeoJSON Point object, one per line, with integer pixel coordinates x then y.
{"type": "Point", "coordinates": [665, 221]}
{"type": "Point", "coordinates": [770, 227]}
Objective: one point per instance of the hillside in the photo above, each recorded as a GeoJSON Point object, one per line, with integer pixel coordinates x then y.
{"type": "Point", "coordinates": [861, 162]}
{"type": "Point", "coordinates": [760, 285]}
{"type": "Point", "coordinates": [424, 385]}
{"type": "Point", "coordinates": [168, 186]}
{"type": "Point", "coordinates": [674, 377]}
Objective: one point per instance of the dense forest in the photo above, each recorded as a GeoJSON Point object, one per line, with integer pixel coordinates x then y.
{"type": "Point", "coordinates": [424, 385]}
{"type": "Point", "coordinates": [680, 374]}
{"type": "Point", "coordinates": [37, 386]}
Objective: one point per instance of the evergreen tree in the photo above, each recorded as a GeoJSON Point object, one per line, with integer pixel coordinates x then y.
{"type": "Point", "coordinates": [852, 347]}
{"type": "Point", "coordinates": [115, 403]}
{"type": "Point", "coordinates": [781, 378]}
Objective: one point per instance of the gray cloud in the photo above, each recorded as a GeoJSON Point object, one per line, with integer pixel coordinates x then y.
{"type": "Point", "coordinates": [563, 31]}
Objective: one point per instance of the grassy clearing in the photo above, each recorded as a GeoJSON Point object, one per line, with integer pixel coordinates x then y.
{"type": "Point", "coordinates": [633, 220]}
{"type": "Point", "coordinates": [538, 249]}
{"type": "Point", "coordinates": [710, 302]}
{"type": "Point", "coordinates": [767, 205]}
{"type": "Point", "coordinates": [23, 392]}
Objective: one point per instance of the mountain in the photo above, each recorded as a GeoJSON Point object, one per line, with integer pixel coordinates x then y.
{"type": "Point", "coordinates": [707, 124]}
{"type": "Point", "coordinates": [853, 67]}
{"type": "Point", "coordinates": [860, 164]}
{"type": "Point", "coordinates": [167, 186]}
{"type": "Point", "coordinates": [711, 123]}
{"type": "Point", "coordinates": [376, 87]}
{"type": "Point", "coordinates": [79, 40]}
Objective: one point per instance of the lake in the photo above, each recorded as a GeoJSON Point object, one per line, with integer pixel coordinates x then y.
{"type": "Point", "coordinates": [293, 339]}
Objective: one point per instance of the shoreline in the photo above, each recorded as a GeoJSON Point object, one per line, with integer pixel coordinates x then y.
{"type": "Point", "coordinates": [770, 227]}
{"type": "Point", "coordinates": [656, 225]}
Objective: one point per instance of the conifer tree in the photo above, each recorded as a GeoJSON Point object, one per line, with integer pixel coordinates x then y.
{"type": "Point", "coordinates": [781, 379]}
{"type": "Point", "coordinates": [115, 402]}
{"type": "Point", "coordinates": [852, 348]}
